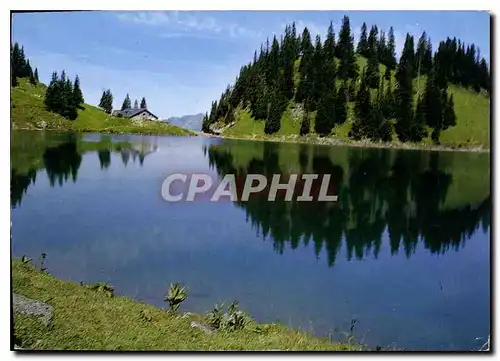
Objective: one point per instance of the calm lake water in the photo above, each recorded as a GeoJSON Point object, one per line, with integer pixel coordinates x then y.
{"type": "Point", "coordinates": [405, 251]}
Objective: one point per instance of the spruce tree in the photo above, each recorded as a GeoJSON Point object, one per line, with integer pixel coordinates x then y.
{"type": "Point", "coordinates": [317, 75]}
{"type": "Point", "coordinates": [362, 48]}
{"type": "Point", "coordinates": [289, 54]}
{"type": "Point", "coordinates": [103, 99]}
{"type": "Point", "coordinates": [326, 93]}
{"type": "Point", "coordinates": [372, 71]}
{"type": "Point", "coordinates": [408, 56]}
{"type": "Point", "coordinates": [136, 104]}
{"type": "Point", "coordinates": [126, 103]}
{"type": "Point", "coordinates": [108, 104]}
{"type": "Point", "coordinates": [32, 79]}
{"type": "Point", "coordinates": [77, 93]}
{"type": "Point", "coordinates": [381, 127]}
{"type": "Point", "coordinates": [329, 46]}
{"type": "Point", "coordinates": [362, 126]}
{"type": "Point", "coordinates": [276, 108]}
{"type": "Point", "coordinates": [404, 93]}
{"type": "Point", "coordinates": [143, 103]}
{"type": "Point", "coordinates": [348, 68]}
{"type": "Point", "coordinates": [205, 125]}
{"type": "Point", "coordinates": [36, 76]}
{"type": "Point", "coordinates": [382, 48]}
{"type": "Point", "coordinates": [27, 71]}
{"type": "Point", "coordinates": [390, 60]}
{"type": "Point", "coordinates": [306, 70]}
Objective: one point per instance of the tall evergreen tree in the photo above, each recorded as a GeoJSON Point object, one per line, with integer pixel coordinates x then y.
{"type": "Point", "coordinates": [361, 127]}
{"type": "Point", "coordinates": [362, 48]}
{"type": "Point", "coordinates": [329, 46]}
{"type": "Point", "coordinates": [404, 93]}
{"type": "Point", "coordinates": [372, 67]}
{"type": "Point", "coordinates": [103, 99]}
{"type": "Point", "coordinates": [276, 108]}
{"type": "Point", "coordinates": [390, 60]}
{"type": "Point", "coordinates": [306, 70]}
{"type": "Point", "coordinates": [126, 103]}
{"type": "Point", "coordinates": [143, 103]}
{"type": "Point", "coordinates": [136, 104]}
{"type": "Point", "coordinates": [36, 76]}
{"type": "Point", "coordinates": [382, 48]}
{"type": "Point", "coordinates": [77, 92]}
{"type": "Point", "coordinates": [348, 68]}
{"type": "Point", "coordinates": [325, 93]}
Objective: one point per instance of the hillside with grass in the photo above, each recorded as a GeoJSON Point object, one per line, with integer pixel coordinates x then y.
{"type": "Point", "coordinates": [28, 112]}
{"type": "Point", "coordinates": [92, 317]}
{"type": "Point", "coordinates": [472, 111]}
{"type": "Point", "coordinates": [451, 82]}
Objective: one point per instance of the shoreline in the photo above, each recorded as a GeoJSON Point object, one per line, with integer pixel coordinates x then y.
{"type": "Point", "coordinates": [359, 144]}
{"type": "Point", "coordinates": [71, 316]}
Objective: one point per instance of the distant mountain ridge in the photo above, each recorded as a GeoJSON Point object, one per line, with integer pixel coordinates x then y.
{"type": "Point", "coordinates": [192, 122]}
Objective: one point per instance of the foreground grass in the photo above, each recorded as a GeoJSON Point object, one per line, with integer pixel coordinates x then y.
{"type": "Point", "coordinates": [28, 113]}
{"type": "Point", "coordinates": [87, 320]}
{"type": "Point", "coordinates": [472, 131]}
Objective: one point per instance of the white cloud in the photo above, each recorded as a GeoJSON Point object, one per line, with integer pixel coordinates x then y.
{"type": "Point", "coordinates": [185, 23]}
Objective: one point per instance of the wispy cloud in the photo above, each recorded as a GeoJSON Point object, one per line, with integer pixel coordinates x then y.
{"type": "Point", "coordinates": [184, 24]}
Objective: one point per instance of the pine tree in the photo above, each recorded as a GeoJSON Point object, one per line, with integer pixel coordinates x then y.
{"type": "Point", "coordinates": [408, 56]}
{"type": "Point", "coordinates": [103, 99]}
{"type": "Point", "coordinates": [205, 125]}
{"type": "Point", "coordinates": [306, 70]}
{"type": "Point", "coordinates": [326, 93]}
{"type": "Point", "coordinates": [421, 54]}
{"type": "Point", "coordinates": [52, 93]}
{"type": "Point", "coordinates": [32, 79]}
{"type": "Point", "coordinates": [382, 48]}
{"type": "Point", "coordinates": [390, 60]}
{"type": "Point", "coordinates": [143, 103]}
{"type": "Point", "coordinates": [361, 126]}
{"type": "Point", "coordinates": [317, 75]}
{"type": "Point", "coordinates": [136, 104]}
{"type": "Point", "coordinates": [362, 48]}
{"type": "Point", "coordinates": [108, 104]}
{"type": "Point", "coordinates": [404, 93]}
{"type": "Point", "coordinates": [126, 103]}
{"type": "Point", "coordinates": [276, 108]}
{"type": "Point", "coordinates": [381, 127]}
{"type": "Point", "coordinates": [36, 76]}
{"type": "Point", "coordinates": [77, 93]}
{"type": "Point", "coordinates": [329, 46]}
{"type": "Point", "coordinates": [372, 71]}
{"type": "Point", "coordinates": [27, 71]}
{"type": "Point", "coordinates": [289, 54]}
{"type": "Point", "coordinates": [348, 67]}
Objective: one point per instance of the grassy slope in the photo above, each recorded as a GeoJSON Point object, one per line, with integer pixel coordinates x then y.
{"type": "Point", "coordinates": [86, 320]}
{"type": "Point", "coordinates": [28, 112]}
{"type": "Point", "coordinates": [472, 110]}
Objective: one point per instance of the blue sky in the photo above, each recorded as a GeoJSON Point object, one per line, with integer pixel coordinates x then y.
{"type": "Point", "coordinates": [181, 61]}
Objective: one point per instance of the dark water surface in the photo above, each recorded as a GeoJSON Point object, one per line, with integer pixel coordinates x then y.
{"type": "Point", "coordinates": [405, 251]}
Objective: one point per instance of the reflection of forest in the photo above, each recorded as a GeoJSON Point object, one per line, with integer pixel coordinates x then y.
{"type": "Point", "coordinates": [406, 193]}
{"type": "Point", "coordinates": [61, 156]}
